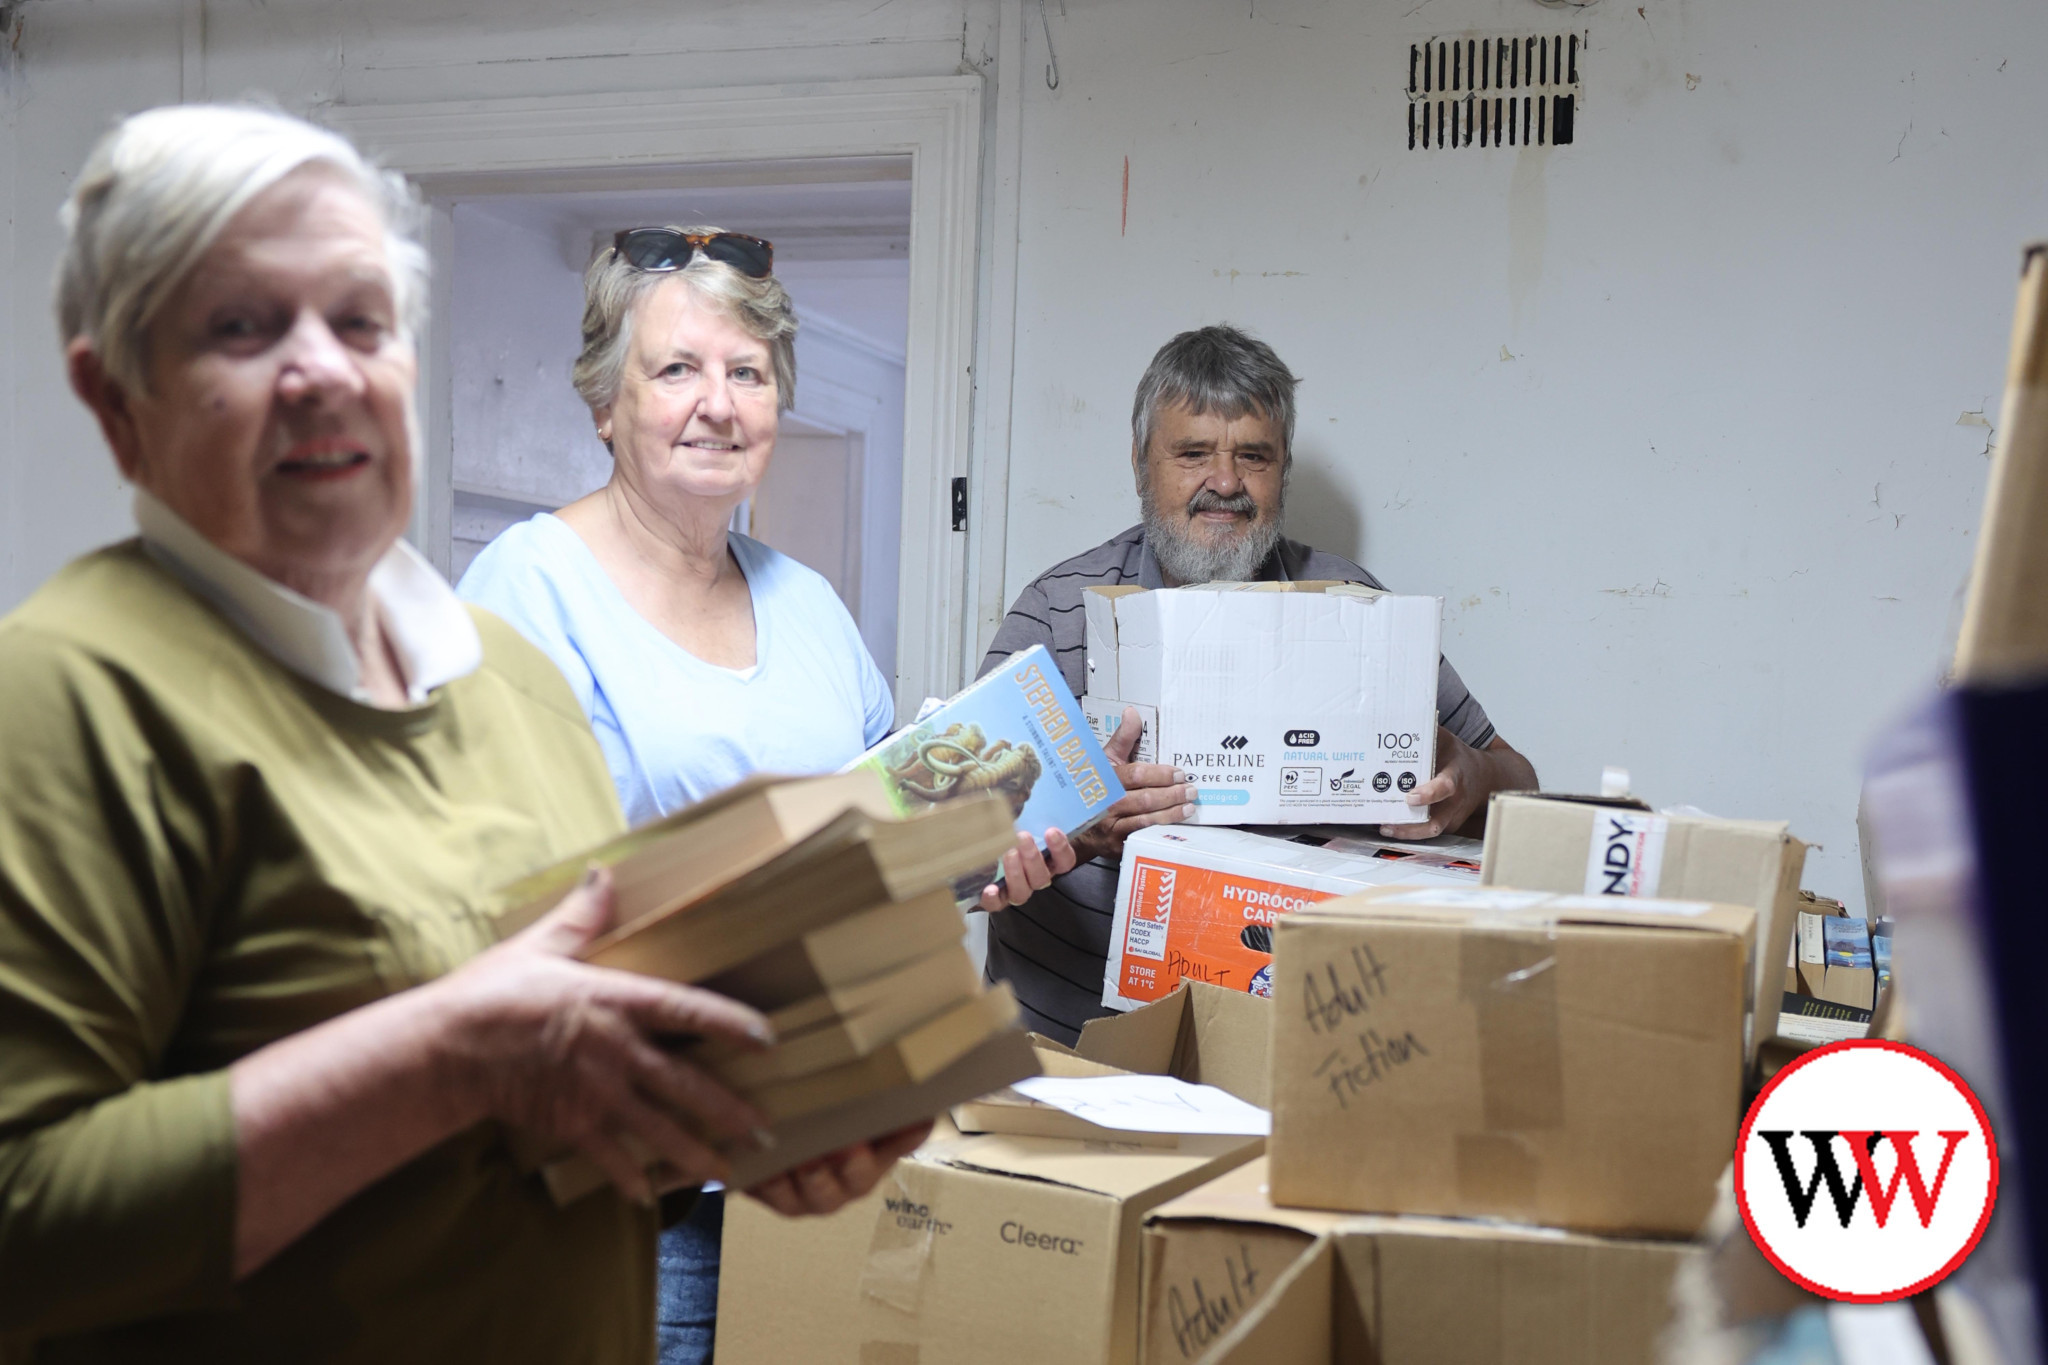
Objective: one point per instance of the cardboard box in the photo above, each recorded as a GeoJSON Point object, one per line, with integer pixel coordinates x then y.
{"type": "Point", "coordinates": [994, 1247]}
{"type": "Point", "coordinates": [1198, 904]}
{"type": "Point", "coordinates": [1809, 944]}
{"type": "Point", "coordinates": [1212, 1255]}
{"type": "Point", "coordinates": [1618, 846]}
{"type": "Point", "coordinates": [1425, 1291]}
{"type": "Point", "coordinates": [1567, 1060]}
{"type": "Point", "coordinates": [1287, 703]}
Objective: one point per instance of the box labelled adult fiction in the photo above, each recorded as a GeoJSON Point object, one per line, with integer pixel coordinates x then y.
{"type": "Point", "coordinates": [994, 1246]}
{"type": "Point", "coordinates": [1426, 1291]}
{"type": "Point", "coordinates": [1567, 1060]}
{"type": "Point", "coordinates": [1198, 904]}
{"type": "Point", "coordinates": [1618, 846]}
{"type": "Point", "coordinates": [1211, 1256]}
{"type": "Point", "coordinates": [1286, 703]}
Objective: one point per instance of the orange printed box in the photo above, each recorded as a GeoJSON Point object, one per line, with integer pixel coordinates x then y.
{"type": "Point", "coordinates": [1197, 904]}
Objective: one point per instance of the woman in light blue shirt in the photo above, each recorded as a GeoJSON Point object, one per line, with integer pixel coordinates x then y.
{"type": "Point", "coordinates": [675, 726]}
{"type": "Point", "coordinates": [701, 656]}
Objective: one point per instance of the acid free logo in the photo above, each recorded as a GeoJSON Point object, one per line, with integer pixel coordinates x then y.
{"type": "Point", "coordinates": [1866, 1171]}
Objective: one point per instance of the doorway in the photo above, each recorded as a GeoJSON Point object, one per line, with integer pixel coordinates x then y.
{"type": "Point", "coordinates": [953, 494]}
{"type": "Point", "coordinates": [522, 442]}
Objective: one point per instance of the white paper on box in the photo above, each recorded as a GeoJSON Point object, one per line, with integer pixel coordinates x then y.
{"type": "Point", "coordinates": [1149, 1104]}
{"type": "Point", "coordinates": [1626, 855]}
{"type": "Point", "coordinates": [1294, 707]}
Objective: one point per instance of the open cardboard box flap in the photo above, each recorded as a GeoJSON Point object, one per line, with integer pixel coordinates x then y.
{"type": "Point", "coordinates": [992, 1246]}
{"type": "Point", "coordinates": [1012, 1113]}
{"type": "Point", "coordinates": [1119, 1170]}
{"type": "Point", "coordinates": [1404, 1291]}
{"type": "Point", "coordinates": [1200, 1033]}
{"type": "Point", "coordinates": [1239, 1196]}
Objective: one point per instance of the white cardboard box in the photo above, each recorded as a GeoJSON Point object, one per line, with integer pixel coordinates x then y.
{"type": "Point", "coordinates": [1287, 703]}
{"type": "Point", "coordinates": [1199, 904]}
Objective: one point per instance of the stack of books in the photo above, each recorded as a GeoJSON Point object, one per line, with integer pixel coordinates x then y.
{"type": "Point", "coordinates": [814, 901]}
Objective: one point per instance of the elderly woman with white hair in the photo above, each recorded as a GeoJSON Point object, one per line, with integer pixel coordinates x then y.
{"type": "Point", "coordinates": [701, 655]}
{"type": "Point", "coordinates": [260, 772]}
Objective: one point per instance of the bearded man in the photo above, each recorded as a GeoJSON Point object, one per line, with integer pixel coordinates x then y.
{"type": "Point", "coordinates": [1212, 431]}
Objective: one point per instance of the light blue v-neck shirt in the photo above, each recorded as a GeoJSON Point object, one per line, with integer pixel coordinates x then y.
{"type": "Point", "coordinates": [674, 728]}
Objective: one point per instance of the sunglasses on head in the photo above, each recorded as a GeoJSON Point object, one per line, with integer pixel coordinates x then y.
{"type": "Point", "coordinates": [660, 248]}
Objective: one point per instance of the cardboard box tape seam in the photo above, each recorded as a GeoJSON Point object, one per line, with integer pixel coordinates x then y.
{"type": "Point", "coordinates": [902, 1244]}
{"type": "Point", "coordinates": [1510, 980]}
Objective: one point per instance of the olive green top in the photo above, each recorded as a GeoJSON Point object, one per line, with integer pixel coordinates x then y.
{"type": "Point", "coordinates": [201, 852]}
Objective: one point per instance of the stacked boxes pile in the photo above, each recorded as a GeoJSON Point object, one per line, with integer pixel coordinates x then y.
{"type": "Point", "coordinates": [1501, 1089]}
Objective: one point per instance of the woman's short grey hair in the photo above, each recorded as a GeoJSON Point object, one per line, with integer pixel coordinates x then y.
{"type": "Point", "coordinates": [157, 191]}
{"type": "Point", "coordinates": [614, 288]}
{"type": "Point", "coordinates": [1219, 370]}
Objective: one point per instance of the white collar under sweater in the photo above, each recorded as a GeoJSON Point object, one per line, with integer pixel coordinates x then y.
{"type": "Point", "coordinates": [431, 632]}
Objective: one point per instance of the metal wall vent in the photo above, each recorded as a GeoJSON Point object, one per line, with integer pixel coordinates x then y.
{"type": "Point", "coordinates": [1493, 92]}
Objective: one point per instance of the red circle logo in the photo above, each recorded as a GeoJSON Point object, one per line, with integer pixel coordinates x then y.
{"type": "Point", "coordinates": [1866, 1171]}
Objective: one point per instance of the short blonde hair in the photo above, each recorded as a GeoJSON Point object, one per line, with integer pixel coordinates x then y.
{"type": "Point", "coordinates": [157, 191]}
{"type": "Point", "coordinates": [614, 289]}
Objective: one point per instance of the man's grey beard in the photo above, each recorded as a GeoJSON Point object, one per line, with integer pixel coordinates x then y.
{"type": "Point", "coordinates": [1186, 560]}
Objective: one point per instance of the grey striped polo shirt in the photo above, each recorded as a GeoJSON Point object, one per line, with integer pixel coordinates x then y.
{"type": "Point", "coordinates": [1054, 948]}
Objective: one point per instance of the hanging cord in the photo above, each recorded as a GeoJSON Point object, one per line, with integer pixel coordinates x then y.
{"type": "Point", "coordinates": [1052, 59]}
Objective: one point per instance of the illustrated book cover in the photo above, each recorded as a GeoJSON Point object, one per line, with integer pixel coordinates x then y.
{"type": "Point", "coordinates": [1017, 732]}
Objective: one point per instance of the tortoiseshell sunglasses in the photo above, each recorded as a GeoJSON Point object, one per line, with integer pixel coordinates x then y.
{"type": "Point", "coordinates": [663, 248]}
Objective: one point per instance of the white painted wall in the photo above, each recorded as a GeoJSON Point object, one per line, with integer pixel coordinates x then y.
{"type": "Point", "coordinates": [1712, 519]}
{"type": "Point", "coordinates": [1709, 521]}
{"type": "Point", "coordinates": [870, 298]}
{"type": "Point", "coordinates": [519, 427]}
{"type": "Point", "coordinates": [72, 70]}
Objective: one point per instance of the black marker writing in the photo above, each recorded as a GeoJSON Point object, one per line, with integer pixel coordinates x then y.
{"type": "Point", "coordinates": [1194, 1329]}
{"type": "Point", "coordinates": [1383, 1056]}
{"type": "Point", "coordinates": [1336, 992]}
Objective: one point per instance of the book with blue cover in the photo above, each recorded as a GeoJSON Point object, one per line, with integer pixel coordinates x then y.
{"type": "Point", "coordinates": [1847, 942]}
{"type": "Point", "coordinates": [1017, 732]}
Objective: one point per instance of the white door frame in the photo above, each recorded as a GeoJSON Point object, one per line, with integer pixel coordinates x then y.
{"type": "Point", "coordinates": [452, 145]}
